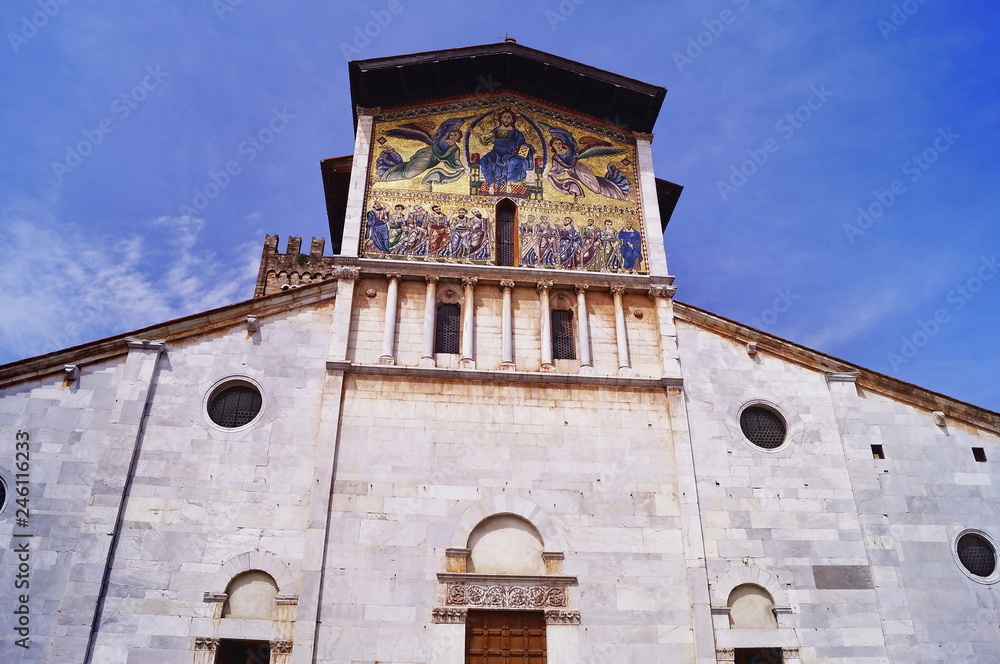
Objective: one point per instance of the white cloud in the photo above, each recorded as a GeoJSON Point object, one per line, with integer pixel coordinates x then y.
{"type": "Point", "coordinates": [63, 286]}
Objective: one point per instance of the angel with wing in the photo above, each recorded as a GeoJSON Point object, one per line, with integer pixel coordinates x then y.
{"type": "Point", "coordinates": [569, 175]}
{"type": "Point", "coordinates": [441, 158]}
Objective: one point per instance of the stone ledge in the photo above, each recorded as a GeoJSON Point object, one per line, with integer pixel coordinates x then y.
{"type": "Point", "coordinates": [503, 376]}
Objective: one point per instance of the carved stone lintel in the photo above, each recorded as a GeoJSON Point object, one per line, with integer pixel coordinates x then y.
{"type": "Point", "coordinates": [215, 597]}
{"type": "Point", "coordinates": [842, 376]}
{"type": "Point", "coordinates": [725, 654]}
{"type": "Point", "coordinates": [581, 288]}
{"type": "Point", "coordinates": [458, 553]}
{"type": "Point", "coordinates": [642, 136]}
{"type": "Point", "coordinates": [790, 653]}
{"type": "Point", "coordinates": [286, 599]}
{"type": "Point", "coordinates": [347, 273]}
{"type": "Point", "coordinates": [432, 278]}
{"type": "Point", "coordinates": [544, 285]}
{"type": "Point", "coordinates": [206, 643]}
{"type": "Point", "coordinates": [617, 290]}
{"type": "Point", "coordinates": [449, 616]}
{"type": "Point", "coordinates": [661, 290]}
{"type": "Point", "coordinates": [470, 282]}
{"type": "Point", "coordinates": [502, 596]}
{"type": "Point", "coordinates": [562, 617]}
{"type": "Point", "coordinates": [281, 647]}
{"type": "Point", "coordinates": [366, 110]}
{"type": "Point", "coordinates": [506, 284]}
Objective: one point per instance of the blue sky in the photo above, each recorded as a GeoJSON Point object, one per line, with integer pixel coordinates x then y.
{"type": "Point", "coordinates": [782, 120]}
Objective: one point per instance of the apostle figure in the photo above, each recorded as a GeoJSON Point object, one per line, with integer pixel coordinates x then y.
{"type": "Point", "coordinates": [631, 247]}
{"type": "Point", "coordinates": [376, 228]}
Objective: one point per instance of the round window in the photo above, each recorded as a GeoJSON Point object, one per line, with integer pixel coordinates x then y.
{"type": "Point", "coordinates": [977, 555]}
{"type": "Point", "coordinates": [763, 427]}
{"type": "Point", "coordinates": [234, 405]}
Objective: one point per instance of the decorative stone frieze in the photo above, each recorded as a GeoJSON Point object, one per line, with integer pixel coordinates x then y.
{"type": "Point", "coordinates": [725, 654]}
{"type": "Point", "coordinates": [281, 647]}
{"type": "Point", "coordinates": [790, 653]}
{"type": "Point", "coordinates": [562, 617]}
{"type": "Point", "coordinates": [449, 616]}
{"type": "Point", "coordinates": [206, 643]}
{"type": "Point", "coordinates": [503, 596]}
{"type": "Point", "coordinates": [347, 273]}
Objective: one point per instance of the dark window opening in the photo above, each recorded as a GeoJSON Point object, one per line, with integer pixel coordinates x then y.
{"type": "Point", "coordinates": [447, 330]}
{"type": "Point", "coordinates": [758, 656]}
{"type": "Point", "coordinates": [877, 452]}
{"type": "Point", "coordinates": [562, 335]}
{"type": "Point", "coordinates": [493, 637]}
{"type": "Point", "coordinates": [506, 217]}
{"type": "Point", "coordinates": [235, 406]}
{"type": "Point", "coordinates": [980, 454]}
{"type": "Point", "coordinates": [243, 652]}
{"type": "Point", "coordinates": [977, 554]}
{"type": "Point", "coordinates": [763, 427]}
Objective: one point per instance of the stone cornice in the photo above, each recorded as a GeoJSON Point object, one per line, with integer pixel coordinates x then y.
{"type": "Point", "coordinates": [552, 378]}
{"type": "Point", "coordinates": [511, 579]}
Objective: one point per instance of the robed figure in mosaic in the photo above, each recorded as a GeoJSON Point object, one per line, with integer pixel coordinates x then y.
{"type": "Point", "coordinates": [441, 158]}
{"type": "Point", "coordinates": [503, 163]}
{"type": "Point", "coordinates": [569, 175]}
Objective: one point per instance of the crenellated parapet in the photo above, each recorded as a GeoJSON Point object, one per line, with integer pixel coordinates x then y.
{"type": "Point", "coordinates": [281, 271]}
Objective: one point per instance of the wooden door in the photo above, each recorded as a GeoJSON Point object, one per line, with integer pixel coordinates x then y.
{"type": "Point", "coordinates": [505, 637]}
{"type": "Point", "coordinates": [758, 656]}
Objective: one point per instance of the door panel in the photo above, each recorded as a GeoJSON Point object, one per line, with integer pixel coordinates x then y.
{"type": "Point", "coordinates": [505, 637]}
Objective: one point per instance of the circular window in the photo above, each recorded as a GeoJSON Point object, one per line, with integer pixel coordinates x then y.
{"type": "Point", "coordinates": [977, 555]}
{"type": "Point", "coordinates": [763, 427]}
{"type": "Point", "coordinates": [234, 405]}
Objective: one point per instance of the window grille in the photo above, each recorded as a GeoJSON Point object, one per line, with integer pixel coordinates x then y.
{"type": "Point", "coordinates": [235, 406]}
{"type": "Point", "coordinates": [447, 330]}
{"type": "Point", "coordinates": [977, 554]}
{"type": "Point", "coordinates": [562, 335]}
{"type": "Point", "coordinates": [505, 234]}
{"type": "Point", "coordinates": [763, 427]}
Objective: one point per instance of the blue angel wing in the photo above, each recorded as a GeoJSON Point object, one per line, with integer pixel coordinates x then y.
{"type": "Point", "coordinates": [411, 131]}
{"type": "Point", "coordinates": [450, 124]}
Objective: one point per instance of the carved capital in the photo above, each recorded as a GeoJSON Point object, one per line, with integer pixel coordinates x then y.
{"type": "Point", "coordinates": [725, 654]}
{"type": "Point", "coordinates": [286, 599]}
{"type": "Point", "coordinates": [642, 136]}
{"type": "Point", "coordinates": [365, 110]}
{"type": "Point", "coordinates": [348, 273]}
{"type": "Point", "coordinates": [506, 284]}
{"type": "Point", "coordinates": [392, 277]}
{"type": "Point", "coordinates": [581, 289]}
{"type": "Point", "coordinates": [281, 647]}
{"type": "Point", "coordinates": [790, 653]}
{"type": "Point", "coordinates": [662, 290]}
{"type": "Point", "coordinates": [211, 598]}
{"type": "Point", "coordinates": [449, 616]}
{"type": "Point", "coordinates": [432, 279]}
{"type": "Point", "coordinates": [617, 290]}
{"type": "Point", "coordinates": [146, 344]}
{"type": "Point", "coordinates": [562, 617]}
{"type": "Point", "coordinates": [206, 643]}
{"type": "Point", "coordinates": [470, 282]}
{"type": "Point", "coordinates": [544, 285]}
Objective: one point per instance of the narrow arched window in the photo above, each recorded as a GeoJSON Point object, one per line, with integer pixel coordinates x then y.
{"type": "Point", "coordinates": [447, 328]}
{"type": "Point", "coordinates": [562, 335]}
{"type": "Point", "coordinates": [506, 235]}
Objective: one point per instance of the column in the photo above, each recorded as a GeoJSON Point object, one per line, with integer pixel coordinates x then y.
{"type": "Point", "coordinates": [583, 330]}
{"type": "Point", "coordinates": [468, 323]}
{"type": "Point", "coordinates": [507, 325]}
{"type": "Point", "coordinates": [562, 636]}
{"type": "Point", "coordinates": [661, 294]}
{"type": "Point", "coordinates": [430, 313]}
{"type": "Point", "coordinates": [620, 334]}
{"type": "Point", "coordinates": [656, 255]}
{"type": "Point", "coordinates": [389, 332]}
{"type": "Point", "coordinates": [354, 220]}
{"type": "Point", "coordinates": [545, 324]}
{"type": "Point", "coordinates": [447, 636]}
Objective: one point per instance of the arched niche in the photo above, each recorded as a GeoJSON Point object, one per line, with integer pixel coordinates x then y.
{"type": "Point", "coordinates": [506, 544]}
{"type": "Point", "coordinates": [251, 595]}
{"type": "Point", "coordinates": [751, 607]}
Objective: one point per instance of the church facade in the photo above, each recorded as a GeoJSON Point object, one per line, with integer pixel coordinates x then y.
{"type": "Point", "coordinates": [483, 430]}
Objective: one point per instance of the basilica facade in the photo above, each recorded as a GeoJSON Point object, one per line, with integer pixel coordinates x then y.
{"type": "Point", "coordinates": [481, 429]}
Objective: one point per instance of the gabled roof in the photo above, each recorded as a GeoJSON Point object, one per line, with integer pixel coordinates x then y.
{"type": "Point", "coordinates": [422, 77]}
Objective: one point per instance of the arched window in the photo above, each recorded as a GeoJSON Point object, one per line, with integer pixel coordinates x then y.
{"type": "Point", "coordinates": [562, 335]}
{"type": "Point", "coordinates": [447, 328]}
{"type": "Point", "coordinates": [506, 216]}
{"type": "Point", "coordinates": [751, 607]}
{"type": "Point", "coordinates": [505, 544]}
{"type": "Point", "coordinates": [251, 595]}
